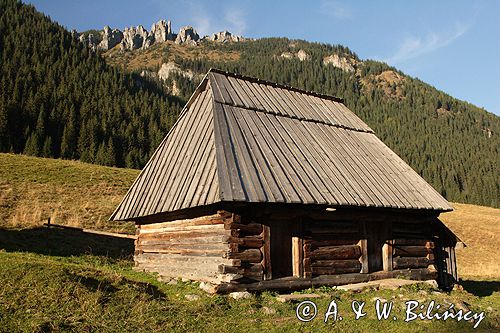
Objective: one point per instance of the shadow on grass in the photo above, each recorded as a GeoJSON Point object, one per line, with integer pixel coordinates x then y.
{"type": "Point", "coordinates": [65, 242]}
{"type": "Point", "coordinates": [480, 288]}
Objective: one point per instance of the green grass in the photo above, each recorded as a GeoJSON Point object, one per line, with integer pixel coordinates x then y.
{"type": "Point", "coordinates": [87, 293]}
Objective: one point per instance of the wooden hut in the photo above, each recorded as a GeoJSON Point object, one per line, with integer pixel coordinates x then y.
{"type": "Point", "coordinates": [263, 186]}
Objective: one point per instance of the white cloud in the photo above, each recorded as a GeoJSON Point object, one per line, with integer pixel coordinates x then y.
{"type": "Point", "coordinates": [336, 9]}
{"type": "Point", "coordinates": [235, 17]}
{"type": "Point", "coordinates": [208, 21]}
{"type": "Point", "coordinates": [413, 47]}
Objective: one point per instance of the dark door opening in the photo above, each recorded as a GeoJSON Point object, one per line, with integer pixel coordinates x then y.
{"type": "Point", "coordinates": [281, 249]}
{"type": "Point", "coordinates": [376, 234]}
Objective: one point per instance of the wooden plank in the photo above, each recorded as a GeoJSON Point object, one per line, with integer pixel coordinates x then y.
{"type": "Point", "coordinates": [272, 157]}
{"type": "Point", "coordinates": [387, 256]}
{"type": "Point", "coordinates": [297, 256]}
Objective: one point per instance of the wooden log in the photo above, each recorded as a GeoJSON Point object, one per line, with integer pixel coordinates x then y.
{"type": "Point", "coordinates": [255, 271]}
{"type": "Point", "coordinates": [255, 242]}
{"type": "Point", "coordinates": [199, 228]}
{"type": "Point", "coordinates": [204, 220]}
{"type": "Point", "coordinates": [336, 252]}
{"type": "Point", "coordinates": [201, 253]}
{"type": "Point", "coordinates": [201, 246]}
{"type": "Point", "coordinates": [249, 229]}
{"type": "Point", "coordinates": [409, 262]}
{"type": "Point", "coordinates": [315, 243]}
{"type": "Point", "coordinates": [336, 263]}
{"type": "Point", "coordinates": [411, 251]}
{"type": "Point", "coordinates": [293, 283]}
{"type": "Point", "coordinates": [410, 241]}
{"type": "Point", "coordinates": [185, 234]}
{"type": "Point", "coordinates": [250, 255]}
{"type": "Point", "coordinates": [218, 239]}
{"type": "Point", "coordinates": [335, 270]}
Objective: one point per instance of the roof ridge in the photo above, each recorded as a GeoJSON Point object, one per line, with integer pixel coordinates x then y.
{"type": "Point", "coordinates": [274, 84]}
{"type": "Point", "coordinates": [292, 117]}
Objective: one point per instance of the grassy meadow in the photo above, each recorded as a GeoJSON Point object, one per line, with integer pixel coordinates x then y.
{"type": "Point", "coordinates": [54, 280]}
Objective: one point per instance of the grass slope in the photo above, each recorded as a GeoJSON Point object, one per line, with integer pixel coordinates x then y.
{"type": "Point", "coordinates": [70, 192]}
{"type": "Point", "coordinates": [40, 293]}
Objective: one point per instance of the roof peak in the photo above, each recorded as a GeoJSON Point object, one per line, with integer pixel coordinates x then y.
{"type": "Point", "coordinates": [274, 84]}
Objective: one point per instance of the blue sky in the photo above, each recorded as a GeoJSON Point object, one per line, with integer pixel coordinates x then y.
{"type": "Point", "coordinates": [452, 45]}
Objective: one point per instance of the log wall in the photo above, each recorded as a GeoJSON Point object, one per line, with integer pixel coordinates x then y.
{"type": "Point", "coordinates": [412, 246]}
{"type": "Point", "coordinates": [215, 248]}
{"type": "Point", "coordinates": [332, 248]}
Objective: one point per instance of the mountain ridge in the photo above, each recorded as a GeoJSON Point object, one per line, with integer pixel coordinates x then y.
{"type": "Point", "coordinates": [60, 99]}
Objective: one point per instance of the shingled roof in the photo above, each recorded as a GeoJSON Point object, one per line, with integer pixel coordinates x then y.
{"type": "Point", "coordinates": [240, 139]}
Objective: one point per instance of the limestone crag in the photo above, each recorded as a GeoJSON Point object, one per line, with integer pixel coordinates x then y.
{"type": "Point", "coordinates": [347, 64]}
{"type": "Point", "coordinates": [134, 38]}
{"type": "Point", "coordinates": [225, 36]}
{"type": "Point", "coordinates": [301, 55]}
{"type": "Point", "coordinates": [110, 38]}
{"type": "Point", "coordinates": [90, 40]}
{"type": "Point", "coordinates": [187, 35]}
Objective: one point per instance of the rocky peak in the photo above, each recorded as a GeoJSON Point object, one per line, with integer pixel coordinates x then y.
{"type": "Point", "coordinates": [187, 35]}
{"type": "Point", "coordinates": [110, 38]}
{"type": "Point", "coordinates": [344, 63]}
{"type": "Point", "coordinates": [90, 40]}
{"type": "Point", "coordinates": [162, 31]}
{"type": "Point", "coordinates": [133, 38]}
{"type": "Point", "coordinates": [225, 36]}
{"type": "Point", "coordinates": [301, 55]}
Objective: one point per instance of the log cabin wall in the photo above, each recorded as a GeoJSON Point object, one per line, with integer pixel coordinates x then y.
{"type": "Point", "coordinates": [412, 245]}
{"type": "Point", "coordinates": [214, 248]}
{"type": "Point", "coordinates": [332, 248]}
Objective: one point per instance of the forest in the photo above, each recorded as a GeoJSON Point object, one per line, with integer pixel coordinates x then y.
{"type": "Point", "coordinates": [59, 99]}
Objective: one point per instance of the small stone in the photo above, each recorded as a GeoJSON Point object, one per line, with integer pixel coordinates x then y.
{"type": "Point", "coordinates": [432, 283]}
{"type": "Point", "coordinates": [240, 295]}
{"type": "Point", "coordinates": [267, 310]}
{"type": "Point", "coordinates": [172, 282]}
{"type": "Point", "coordinates": [185, 280]}
{"type": "Point", "coordinates": [401, 295]}
{"type": "Point", "coordinates": [191, 297]}
{"type": "Point", "coordinates": [207, 287]}
{"type": "Point", "coordinates": [489, 308]}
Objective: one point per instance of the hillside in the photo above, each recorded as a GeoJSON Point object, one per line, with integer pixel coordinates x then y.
{"type": "Point", "coordinates": [68, 101]}
{"type": "Point", "coordinates": [81, 194]}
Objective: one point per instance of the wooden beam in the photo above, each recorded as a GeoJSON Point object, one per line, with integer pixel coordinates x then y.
{"type": "Point", "coordinates": [387, 256]}
{"type": "Point", "coordinates": [266, 252]}
{"type": "Point", "coordinates": [363, 244]}
{"type": "Point", "coordinates": [297, 256]}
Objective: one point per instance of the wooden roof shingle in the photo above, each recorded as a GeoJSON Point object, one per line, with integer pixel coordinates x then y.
{"type": "Point", "coordinates": [240, 139]}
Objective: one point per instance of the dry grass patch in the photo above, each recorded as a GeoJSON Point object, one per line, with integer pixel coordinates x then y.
{"type": "Point", "coordinates": [72, 193]}
{"type": "Point", "coordinates": [478, 227]}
